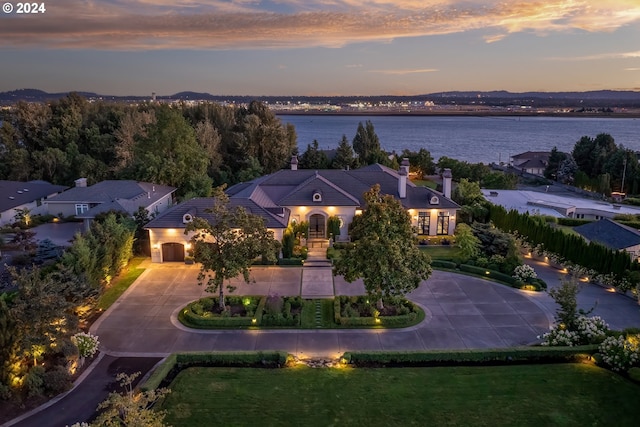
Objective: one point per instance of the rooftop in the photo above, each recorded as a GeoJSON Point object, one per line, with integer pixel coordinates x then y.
{"type": "Point", "coordinates": [541, 203]}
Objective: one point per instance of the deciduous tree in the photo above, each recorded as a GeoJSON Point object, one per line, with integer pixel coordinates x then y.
{"type": "Point", "coordinates": [227, 242]}
{"type": "Point", "coordinates": [384, 254]}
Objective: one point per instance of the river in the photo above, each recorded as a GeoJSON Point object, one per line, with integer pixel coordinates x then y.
{"type": "Point", "coordinates": [475, 139]}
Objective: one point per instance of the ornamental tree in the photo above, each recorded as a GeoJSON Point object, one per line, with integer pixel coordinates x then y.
{"type": "Point", "coordinates": [466, 241]}
{"type": "Point", "coordinates": [384, 254]}
{"type": "Point", "coordinates": [227, 242]}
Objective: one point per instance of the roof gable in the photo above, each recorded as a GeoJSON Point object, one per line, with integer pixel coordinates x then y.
{"type": "Point", "coordinates": [173, 217]}
{"type": "Point", "coordinates": [331, 194]}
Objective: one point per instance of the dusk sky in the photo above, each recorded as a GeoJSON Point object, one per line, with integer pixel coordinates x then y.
{"type": "Point", "coordinates": [321, 47]}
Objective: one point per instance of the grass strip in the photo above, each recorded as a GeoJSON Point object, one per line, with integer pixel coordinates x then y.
{"type": "Point", "coordinates": [121, 283]}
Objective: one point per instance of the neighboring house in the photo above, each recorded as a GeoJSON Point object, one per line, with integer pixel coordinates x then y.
{"type": "Point", "coordinates": [542, 203]}
{"type": "Point", "coordinates": [15, 195]}
{"type": "Point", "coordinates": [85, 202]}
{"type": "Point", "coordinates": [292, 195]}
{"type": "Point", "coordinates": [534, 162]}
{"type": "Point", "coordinates": [613, 235]}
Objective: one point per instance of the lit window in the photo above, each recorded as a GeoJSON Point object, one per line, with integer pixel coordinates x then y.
{"type": "Point", "coordinates": [423, 223]}
{"type": "Point", "coordinates": [443, 224]}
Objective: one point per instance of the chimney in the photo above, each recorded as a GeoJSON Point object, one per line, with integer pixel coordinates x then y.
{"type": "Point", "coordinates": [294, 163]}
{"type": "Point", "coordinates": [402, 182]}
{"type": "Point", "coordinates": [446, 183]}
{"type": "Point", "coordinates": [81, 182]}
{"type": "Point", "coordinates": [405, 165]}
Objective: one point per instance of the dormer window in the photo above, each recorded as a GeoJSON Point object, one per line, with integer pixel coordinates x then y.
{"type": "Point", "coordinates": [317, 196]}
{"type": "Point", "coordinates": [187, 218]}
{"type": "Point", "coordinates": [434, 200]}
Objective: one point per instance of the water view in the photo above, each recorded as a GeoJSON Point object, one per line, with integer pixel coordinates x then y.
{"type": "Point", "coordinates": [475, 139]}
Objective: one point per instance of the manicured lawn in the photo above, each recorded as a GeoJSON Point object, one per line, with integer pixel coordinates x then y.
{"type": "Point", "coordinates": [121, 283]}
{"type": "Point", "coordinates": [536, 395]}
{"type": "Point", "coordinates": [442, 251]}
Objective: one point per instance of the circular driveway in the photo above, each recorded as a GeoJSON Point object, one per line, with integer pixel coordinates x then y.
{"type": "Point", "coordinates": [463, 312]}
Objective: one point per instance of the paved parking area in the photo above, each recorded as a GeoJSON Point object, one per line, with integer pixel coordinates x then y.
{"type": "Point", "coordinates": [462, 312]}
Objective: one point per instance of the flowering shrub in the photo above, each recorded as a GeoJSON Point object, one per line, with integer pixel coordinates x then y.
{"type": "Point", "coordinates": [620, 353]}
{"type": "Point", "coordinates": [558, 335]}
{"type": "Point", "coordinates": [87, 344]}
{"type": "Point", "coordinates": [524, 273]}
{"type": "Point", "coordinates": [589, 330]}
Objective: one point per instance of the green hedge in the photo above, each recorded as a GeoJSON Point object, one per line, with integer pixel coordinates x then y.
{"type": "Point", "coordinates": [387, 321]}
{"type": "Point", "coordinates": [176, 362]}
{"type": "Point", "coordinates": [573, 222]}
{"type": "Point", "coordinates": [290, 261]}
{"type": "Point", "coordinates": [188, 318]}
{"type": "Point", "coordinates": [534, 284]}
{"type": "Point", "coordinates": [491, 274]}
{"type": "Point", "coordinates": [632, 224]}
{"type": "Point", "coordinates": [438, 263]}
{"type": "Point", "coordinates": [160, 373]}
{"type": "Point", "coordinates": [470, 357]}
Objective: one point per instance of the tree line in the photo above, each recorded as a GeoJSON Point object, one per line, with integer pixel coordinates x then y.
{"type": "Point", "coordinates": [596, 164]}
{"type": "Point", "coordinates": [187, 146]}
{"type": "Point", "coordinates": [570, 248]}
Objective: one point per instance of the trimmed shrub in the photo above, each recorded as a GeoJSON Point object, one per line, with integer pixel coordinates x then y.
{"type": "Point", "coordinates": [57, 380]}
{"type": "Point", "coordinates": [290, 261]}
{"type": "Point", "coordinates": [436, 263]}
{"type": "Point", "coordinates": [233, 358]}
{"type": "Point", "coordinates": [174, 363]}
{"type": "Point", "coordinates": [190, 318]}
{"type": "Point", "coordinates": [490, 274]}
{"type": "Point", "coordinates": [34, 381]}
{"type": "Point", "coordinates": [573, 222]}
{"type": "Point", "coordinates": [632, 224]}
{"type": "Point", "coordinates": [470, 357]}
{"type": "Point", "coordinates": [345, 314]}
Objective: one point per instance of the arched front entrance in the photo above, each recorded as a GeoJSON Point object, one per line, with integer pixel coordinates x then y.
{"type": "Point", "coordinates": [317, 226]}
{"type": "Point", "coordinates": [172, 252]}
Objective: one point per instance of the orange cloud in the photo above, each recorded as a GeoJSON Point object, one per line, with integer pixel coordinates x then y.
{"type": "Point", "coordinates": [237, 24]}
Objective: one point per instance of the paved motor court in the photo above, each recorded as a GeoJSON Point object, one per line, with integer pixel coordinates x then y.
{"type": "Point", "coordinates": [462, 312]}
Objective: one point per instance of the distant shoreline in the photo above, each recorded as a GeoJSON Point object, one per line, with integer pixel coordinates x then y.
{"type": "Point", "coordinates": [629, 115]}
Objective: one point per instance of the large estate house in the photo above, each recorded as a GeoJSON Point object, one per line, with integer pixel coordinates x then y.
{"type": "Point", "coordinates": [291, 195]}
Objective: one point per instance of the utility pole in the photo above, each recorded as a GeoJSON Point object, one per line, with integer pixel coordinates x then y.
{"type": "Point", "coordinates": [624, 172]}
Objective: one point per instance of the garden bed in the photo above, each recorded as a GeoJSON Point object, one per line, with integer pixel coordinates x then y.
{"type": "Point", "coordinates": [274, 311]}
{"type": "Point", "coordinates": [360, 311]}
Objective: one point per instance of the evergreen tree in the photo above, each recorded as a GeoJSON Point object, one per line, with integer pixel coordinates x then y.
{"type": "Point", "coordinates": [344, 158]}
{"type": "Point", "coordinates": [313, 157]}
{"type": "Point", "coordinates": [555, 159]}
{"type": "Point", "coordinates": [366, 145]}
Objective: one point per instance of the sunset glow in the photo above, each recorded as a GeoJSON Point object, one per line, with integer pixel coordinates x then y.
{"type": "Point", "coordinates": [322, 47]}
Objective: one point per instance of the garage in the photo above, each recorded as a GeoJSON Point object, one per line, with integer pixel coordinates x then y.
{"type": "Point", "coordinates": [172, 252]}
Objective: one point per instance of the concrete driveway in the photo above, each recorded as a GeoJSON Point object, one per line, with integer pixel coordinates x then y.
{"type": "Point", "coordinates": [462, 312]}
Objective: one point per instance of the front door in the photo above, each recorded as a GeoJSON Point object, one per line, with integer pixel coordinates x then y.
{"type": "Point", "coordinates": [316, 227]}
